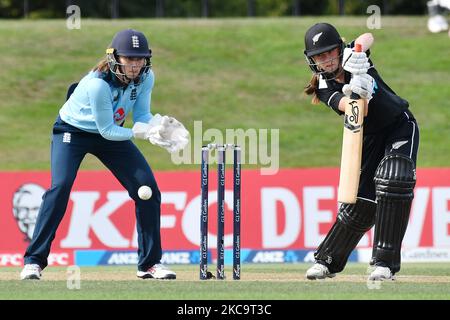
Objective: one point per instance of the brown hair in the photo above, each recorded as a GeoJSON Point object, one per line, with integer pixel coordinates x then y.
{"type": "Point", "coordinates": [311, 88]}
{"type": "Point", "coordinates": [102, 66]}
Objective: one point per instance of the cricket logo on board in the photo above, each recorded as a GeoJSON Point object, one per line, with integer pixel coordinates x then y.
{"type": "Point", "coordinates": [351, 122]}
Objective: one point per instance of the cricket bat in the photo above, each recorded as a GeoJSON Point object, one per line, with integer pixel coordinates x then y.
{"type": "Point", "coordinates": [351, 147]}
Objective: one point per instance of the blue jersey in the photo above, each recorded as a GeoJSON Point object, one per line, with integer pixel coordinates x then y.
{"type": "Point", "coordinates": [100, 105]}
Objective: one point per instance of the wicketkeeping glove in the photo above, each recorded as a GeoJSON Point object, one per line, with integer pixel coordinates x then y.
{"type": "Point", "coordinates": [163, 131]}
{"type": "Point", "coordinates": [169, 134]}
{"type": "Point", "coordinates": [141, 130]}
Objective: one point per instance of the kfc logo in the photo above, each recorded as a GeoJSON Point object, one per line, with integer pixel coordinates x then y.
{"type": "Point", "coordinates": [26, 203]}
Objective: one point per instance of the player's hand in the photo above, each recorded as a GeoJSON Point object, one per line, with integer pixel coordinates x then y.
{"type": "Point", "coordinates": [169, 134]}
{"type": "Point", "coordinates": [362, 85]}
{"type": "Point", "coordinates": [355, 62]}
{"type": "Point", "coordinates": [170, 125]}
{"type": "Point", "coordinates": [141, 130]}
{"type": "Point", "coordinates": [176, 145]}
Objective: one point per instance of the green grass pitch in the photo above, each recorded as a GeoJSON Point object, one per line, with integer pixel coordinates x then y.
{"type": "Point", "coordinates": [259, 282]}
{"type": "Point", "coordinates": [228, 73]}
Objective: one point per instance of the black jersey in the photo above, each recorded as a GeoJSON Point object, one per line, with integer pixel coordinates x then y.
{"type": "Point", "coordinates": [384, 107]}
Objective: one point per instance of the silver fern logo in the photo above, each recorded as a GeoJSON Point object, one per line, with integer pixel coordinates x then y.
{"type": "Point", "coordinates": [316, 38]}
{"type": "Point", "coordinates": [398, 144]}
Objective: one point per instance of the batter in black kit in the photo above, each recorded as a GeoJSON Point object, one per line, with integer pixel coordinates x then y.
{"type": "Point", "coordinates": [390, 145]}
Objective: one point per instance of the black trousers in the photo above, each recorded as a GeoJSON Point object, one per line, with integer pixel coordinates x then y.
{"type": "Point", "coordinates": [402, 137]}
{"type": "Point", "coordinates": [69, 147]}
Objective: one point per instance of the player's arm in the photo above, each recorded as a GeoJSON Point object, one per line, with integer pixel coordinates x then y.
{"type": "Point", "coordinates": [163, 131]}
{"type": "Point", "coordinates": [100, 100]}
{"type": "Point", "coordinates": [142, 106]}
{"type": "Point", "coordinates": [336, 100]}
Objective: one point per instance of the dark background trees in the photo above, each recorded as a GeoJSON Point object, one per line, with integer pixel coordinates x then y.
{"type": "Point", "coordinates": [203, 8]}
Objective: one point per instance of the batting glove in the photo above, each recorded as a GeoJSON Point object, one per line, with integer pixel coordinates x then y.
{"type": "Point", "coordinates": [362, 85]}
{"type": "Point", "coordinates": [355, 62]}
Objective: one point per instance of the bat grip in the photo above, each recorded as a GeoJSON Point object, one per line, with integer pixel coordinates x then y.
{"type": "Point", "coordinates": [354, 96]}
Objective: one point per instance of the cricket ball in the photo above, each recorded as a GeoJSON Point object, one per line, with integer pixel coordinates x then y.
{"type": "Point", "coordinates": [145, 192]}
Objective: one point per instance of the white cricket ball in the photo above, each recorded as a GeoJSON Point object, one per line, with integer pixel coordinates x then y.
{"type": "Point", "coordinates": [145, 192]}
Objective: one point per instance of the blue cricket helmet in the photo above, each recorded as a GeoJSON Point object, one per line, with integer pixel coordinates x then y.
{"type": "Point", "coordinates": [129, 43]}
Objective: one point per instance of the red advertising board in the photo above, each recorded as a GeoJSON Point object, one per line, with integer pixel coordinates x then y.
{"type": "Point", "coordinates": [290, 210]}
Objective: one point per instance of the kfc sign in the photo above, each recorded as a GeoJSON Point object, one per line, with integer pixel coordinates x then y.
{"type": "Point", "coordinates": [293, 209]}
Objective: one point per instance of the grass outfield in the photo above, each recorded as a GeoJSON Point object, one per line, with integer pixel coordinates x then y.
{"type": "Point", "coordinates": [259, 282]}
{"type": "Point", "coordinates": [229, 73]}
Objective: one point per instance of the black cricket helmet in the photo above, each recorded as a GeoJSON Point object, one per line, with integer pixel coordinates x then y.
{"type": "Point", "coordinates": [320, 38]}
{"type": "Point", "coordinates": [129, 43]}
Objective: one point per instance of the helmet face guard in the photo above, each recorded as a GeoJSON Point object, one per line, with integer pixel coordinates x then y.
{"type": "Point", "coordinates": [129, 43]}
{"type": "Point", "coordinates": [315, 66]}
{"type": "Point", "coordinates": [118, 69]}
{"type": "Point", "coordinates": [320, 38]}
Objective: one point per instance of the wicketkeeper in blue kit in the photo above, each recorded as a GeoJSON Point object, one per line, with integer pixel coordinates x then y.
{"type": "Point", "coordinates": [91, 121]}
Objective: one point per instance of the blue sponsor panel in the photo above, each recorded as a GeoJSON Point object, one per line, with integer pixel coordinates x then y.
{"type": "Point", "coordinates": [119, 258]}
{"type": "Point", "coordinates": [354, 257]}
{"type": "Point", "coordinates": [183, 257]}
{"type": "Point", "coordinates": [285, 256]}
{"type": "Point", "coordinates": [88, 257]}
{"type": "Point", "coordinates": [126, 257]}
{"type": "Point", "coordinates": [229, 255]}
{"type": "Point", "coordinates": [276, 256]}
